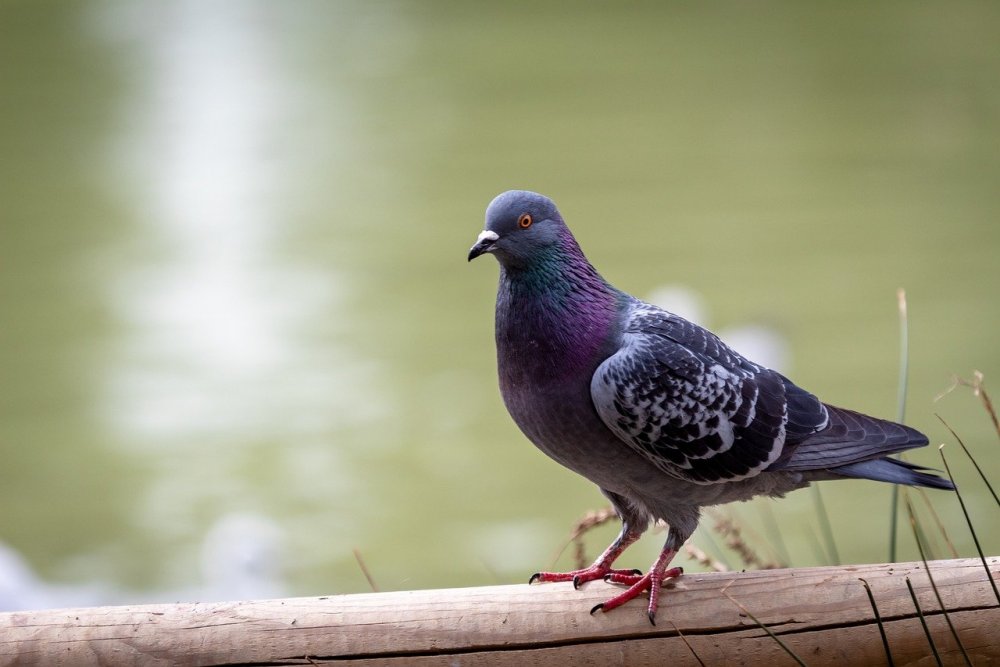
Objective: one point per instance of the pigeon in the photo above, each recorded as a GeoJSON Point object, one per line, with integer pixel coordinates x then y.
{"type": "Point", "coordinates": [655, 410]}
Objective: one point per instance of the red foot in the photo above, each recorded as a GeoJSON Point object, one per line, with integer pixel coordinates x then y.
{"type": "Point", "coordinates": [583, 576]}
{"type": "Point", "coordinates": [637, 584]}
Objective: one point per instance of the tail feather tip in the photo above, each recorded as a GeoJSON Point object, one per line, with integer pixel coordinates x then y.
{"type": "Point", "coordinates": [894, 471]}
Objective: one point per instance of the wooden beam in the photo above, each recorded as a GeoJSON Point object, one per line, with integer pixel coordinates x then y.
{"type": "Point", "coordinates": [823, 614]}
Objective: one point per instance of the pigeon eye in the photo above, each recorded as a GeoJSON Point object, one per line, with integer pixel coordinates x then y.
{"type": "Point", "coordinates": [524, 221]}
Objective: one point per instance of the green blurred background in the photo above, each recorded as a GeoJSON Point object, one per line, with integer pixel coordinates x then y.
{"type": "Point", "coordinates": [239, 338]}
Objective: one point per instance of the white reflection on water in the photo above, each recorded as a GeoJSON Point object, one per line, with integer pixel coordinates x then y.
{"type": "Point", "coordinates": [241, 556]}
{"type": "Point", "coordinates": [215, 365]}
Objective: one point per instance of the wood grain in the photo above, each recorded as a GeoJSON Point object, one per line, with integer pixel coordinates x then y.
{"type": "Point", "coordinates": [823, 614]}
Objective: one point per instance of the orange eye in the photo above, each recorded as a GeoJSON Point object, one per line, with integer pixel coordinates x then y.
{"type": "Point", "coordinates": [524, 221]}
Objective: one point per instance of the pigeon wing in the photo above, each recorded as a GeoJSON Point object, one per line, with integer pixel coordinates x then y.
{"type": "Point", "coordinates": [694, 407]}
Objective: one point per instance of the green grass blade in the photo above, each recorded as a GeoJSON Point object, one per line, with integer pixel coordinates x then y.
{"type": "Point", "coordinates": [773, 531]}
{"type": "Point", "coordinates": [904, 373]}
{"type": "Point", "coordinates": [938, 522]}
{"type": "Point", "coordinates": [975, 538]}
{"type": "Point", "coordinates": [975, 463]}
{"type": "Point", "coordinates": [881, 628]}
{"type": "Point", "coordinates": [923, 622]}
{"type": "Point", "coordinates": [937, 593]}
{"type": "Point", "coordinates": [824, 523]}
{"type": "Point", "coordinates": [713, 547]}
{"type": "Point", "coordinates": [893, 522]}
{"type": "Point", "coordinates": [904, 357]}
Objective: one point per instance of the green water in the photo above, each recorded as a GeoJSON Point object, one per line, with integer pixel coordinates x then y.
{"type": "Point", "coordinates": [233, 276]}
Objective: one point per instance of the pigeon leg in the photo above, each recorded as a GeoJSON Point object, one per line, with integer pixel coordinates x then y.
{"type": "Point", "coordinates": [601, 567]}
{"type": "Point", "coordinates": [651, 581]}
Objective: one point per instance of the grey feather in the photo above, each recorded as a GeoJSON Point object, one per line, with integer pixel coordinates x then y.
{"type": "Point", "coordinates": [693, 406]}
{"type": "Point", "coordinates": [893, 471]}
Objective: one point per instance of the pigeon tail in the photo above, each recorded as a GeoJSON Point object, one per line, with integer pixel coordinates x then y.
{"type": "Point", "coordinates": [893, 471]}
{"type": "Point", "coordinates": [849, 437]}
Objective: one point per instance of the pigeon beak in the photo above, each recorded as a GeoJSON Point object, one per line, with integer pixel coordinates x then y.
{"type": "Point", "coordinates": [483, 244]}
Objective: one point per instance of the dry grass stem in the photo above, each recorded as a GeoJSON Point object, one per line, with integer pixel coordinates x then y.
{"type": "Point", "coordinates": [978, 387]}
{"type": "Point", "coordinates": [937, 520]}
{"type": "Point", "coordinates": [732, 534]}
{"type": "Point", "coordinates": [688, 644]}
{"type": "Point", "coordinates": [975, 463]}
{"type": "Point", "coordinates": [763, 627]}
{"type": "Point", "coordinates": [703, 559]}
{"type": "Point", "coordinates": [588, 522]}
{"type": "Point", "coordinates": [364, 570]}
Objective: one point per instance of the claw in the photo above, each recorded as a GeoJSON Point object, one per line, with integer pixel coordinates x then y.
{"type": "Point", "coordinates": [639, 584]}
{"type": "Point", "coordinates": [636, 581]}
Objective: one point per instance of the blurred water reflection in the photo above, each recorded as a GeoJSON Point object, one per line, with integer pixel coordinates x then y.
{"type": "Point", "coordinates": [234, 306]}
{"type": "Point", "coordinates": [215, 316]}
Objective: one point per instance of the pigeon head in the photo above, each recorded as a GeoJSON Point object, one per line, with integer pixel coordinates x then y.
{"type": "Point", "coordinates": [522, 229]}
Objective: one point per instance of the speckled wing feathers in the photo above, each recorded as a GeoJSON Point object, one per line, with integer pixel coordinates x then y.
{"type": "Point", "coordinates": [850, 437]}
{"type": "Point", "coordinates": [693, 406]}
